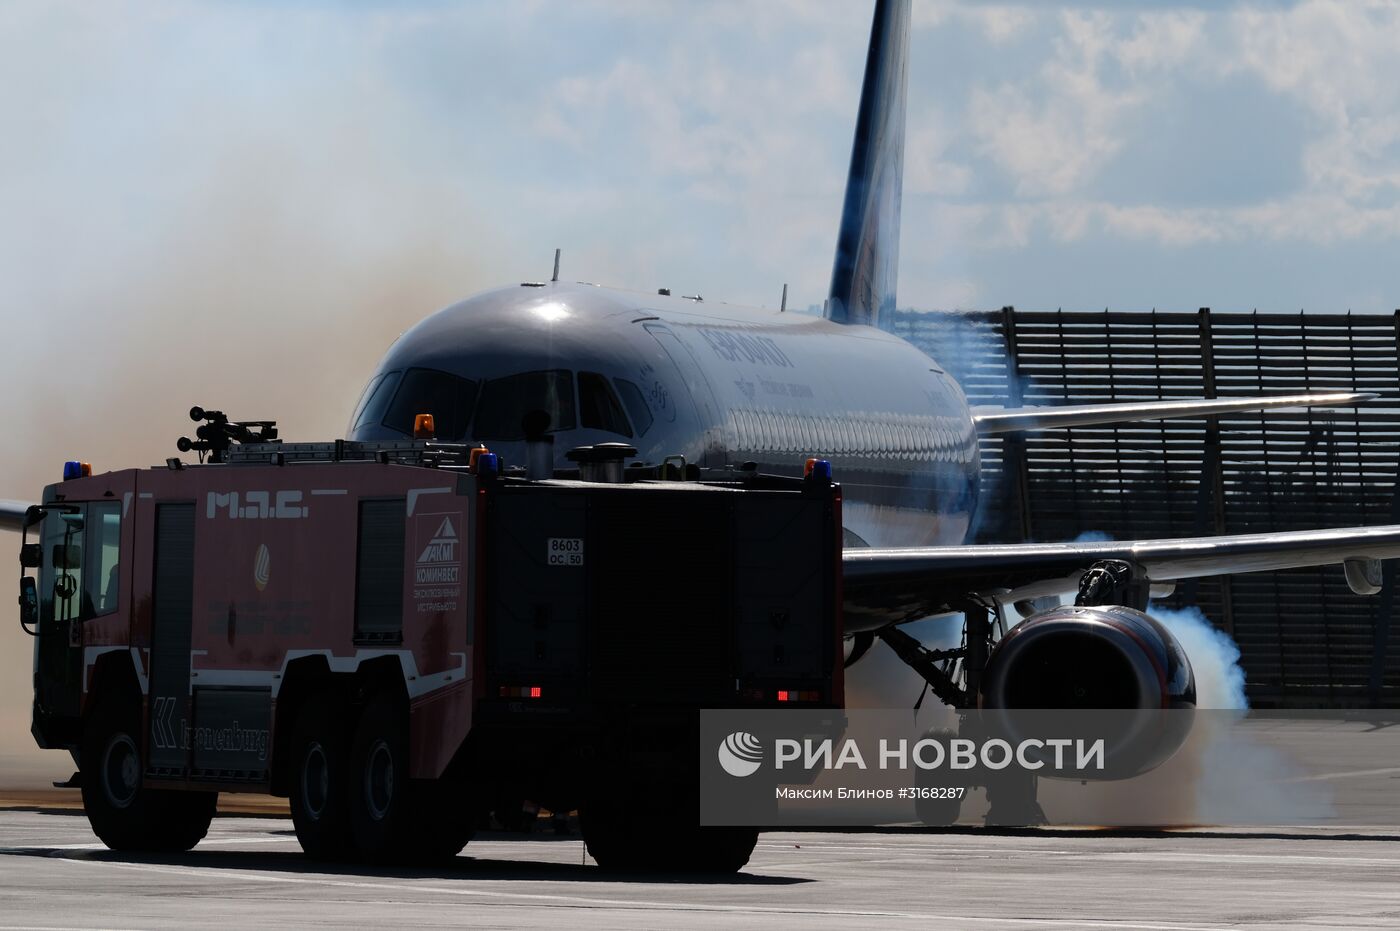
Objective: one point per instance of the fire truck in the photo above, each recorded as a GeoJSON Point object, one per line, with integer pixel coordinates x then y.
{"type": "Point", "coordinates": [400, 637]}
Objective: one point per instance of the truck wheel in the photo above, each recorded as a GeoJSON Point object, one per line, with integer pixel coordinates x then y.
{"type": "Point", "coordinates": [320, 797]}
{"type": "Point", "coordinates": [619, 840]}
{"type": "Point", "coordinates": [124, 814]}
{"type": "Point", "coordinates": [381, 809]}
{"type": "Point", "coordinates": [443, 822]}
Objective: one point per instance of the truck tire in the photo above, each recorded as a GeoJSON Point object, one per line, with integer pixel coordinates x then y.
{"type": "Point", "coordinates": [124, 814]}
{"type": "Point", "coordinates": [443, 822]}
{"type": "Point", "coordinates": [320, 790]}
{"type": "Point", "coordinates": [621, 838]}
{"type": "Point", "coordinates": [394, 819]}
{"type": "Point", "coordinates": [381, 815]}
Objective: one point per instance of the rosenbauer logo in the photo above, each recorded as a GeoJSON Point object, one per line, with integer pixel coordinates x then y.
{"type": "Point", "coordinates": [740, 754]}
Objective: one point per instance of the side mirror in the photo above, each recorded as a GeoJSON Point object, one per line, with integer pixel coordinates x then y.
{"type": "Point", "coordinates": [30, 555]}
{"type": "Point", "coordinates": [28, 603]}
{"type": "Point", "coordinates": [67, 556]}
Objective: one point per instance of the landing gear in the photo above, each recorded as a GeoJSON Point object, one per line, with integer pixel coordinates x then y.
{"type": "Point", "coordinates": [124, 814]}
{"type": "Point", "coordinates": [1011, 794]}
{"type": "Point", "coordinates": [1011, 797]}
{"type": "Point", "coordinates": [934, 810]}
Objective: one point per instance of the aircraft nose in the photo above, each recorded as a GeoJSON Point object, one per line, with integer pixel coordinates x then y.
{"type": "Point", "coordinates": [508, 364]}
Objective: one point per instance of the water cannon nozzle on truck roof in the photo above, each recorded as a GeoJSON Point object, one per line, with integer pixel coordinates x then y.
{"type": "Point", "coordinates": [218, 433]}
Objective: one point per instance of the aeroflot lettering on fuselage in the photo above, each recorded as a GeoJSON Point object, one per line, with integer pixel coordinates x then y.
{"type": "Point", "coordinates": [741, 347]}
{"type": "Point", "coordinates": [256, 505]}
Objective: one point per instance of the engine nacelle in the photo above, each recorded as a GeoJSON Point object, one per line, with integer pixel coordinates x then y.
{"type": "Point", "coordinates": [1116, 665]}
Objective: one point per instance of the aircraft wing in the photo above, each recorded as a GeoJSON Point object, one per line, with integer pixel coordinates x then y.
{"type": "Point", "coordinates": [991, 420]}
{"type": "Point", "coordinates": [889, 586]}
{"type": "Point", "coordinates": [12, 514]}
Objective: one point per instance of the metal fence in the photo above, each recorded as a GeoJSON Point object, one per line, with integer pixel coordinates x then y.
{"type": "Point", "coordinates": [1304, 638]}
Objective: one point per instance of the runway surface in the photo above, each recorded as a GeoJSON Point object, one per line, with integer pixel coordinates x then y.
{"type": "Point", "coordinates": [250, 872]}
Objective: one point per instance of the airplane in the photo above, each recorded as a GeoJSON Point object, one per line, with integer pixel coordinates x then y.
{"type": "Point", "coordinates": [556, 365]}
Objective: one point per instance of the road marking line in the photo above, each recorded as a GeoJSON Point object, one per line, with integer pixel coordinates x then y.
{"type": "Point", "coordinates": [568, 901]}
{"type": "Point", "coordinates": [1348, 774]}
{"type": "Point", "coordinates": [36, 848]}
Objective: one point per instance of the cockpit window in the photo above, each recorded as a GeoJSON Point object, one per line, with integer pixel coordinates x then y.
{"type": "Point", "coordinates": [427, 391]}
{"type": "Point", "coordinates": [506, 401]}
{"type": "Point", "coordinates": [376, 400]}
{"type": "Point", "coordinates": [636, 404]}
{"type": "Point", "coordinates": [598, 407]}
{"type": "Point", "coordinates": [364, 396]}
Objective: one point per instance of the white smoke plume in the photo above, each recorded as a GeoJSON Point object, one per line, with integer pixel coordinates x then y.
{"type": "Point", "coordinates": [1224, 774]}
{"type": "Point", "coordinates": [1214, 656]}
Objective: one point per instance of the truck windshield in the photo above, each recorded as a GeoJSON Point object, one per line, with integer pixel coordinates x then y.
{"type": "Point", "coordinates": [79, 576]}
{"type": "Point", "coordinates": [506, 401]}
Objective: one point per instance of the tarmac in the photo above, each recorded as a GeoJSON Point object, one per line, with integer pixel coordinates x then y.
{"type": "Point", "coordinates": [250, 872]}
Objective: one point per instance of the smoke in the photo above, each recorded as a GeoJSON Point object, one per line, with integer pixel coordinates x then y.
{"type": "Point", "coordinates": [970, 349]}
{"type": "Point", "coordinates": [1214, 656]}
{"type": "Point", "coordinates": [176, 236]}
{"type": "Point", "coordinates": [1175, 793]}
{"type": "Point", "coordinates": [1225, 773]}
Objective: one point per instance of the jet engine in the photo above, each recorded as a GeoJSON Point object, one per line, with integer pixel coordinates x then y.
{"type": "Point", "coordinates": [1105, 670]}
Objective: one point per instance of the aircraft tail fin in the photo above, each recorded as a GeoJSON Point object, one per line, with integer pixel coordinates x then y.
{"type": "Point", "coordinates": [867, 245]}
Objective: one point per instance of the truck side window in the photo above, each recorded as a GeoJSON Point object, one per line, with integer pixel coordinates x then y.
{"type": "Point", "coordinates": [636, 404]}
{"type": "Point", "coordinates": [506, 401]}
{"type": "Point", "coordinates": [104, 529]}
{"type": "Point", "coordinates": [61, 580]}
{"type": "Point", "coordinates": [598, 407]}
{"type": "Point", "coordinates": [427, 391]}
{"type": "Point", "coordinates": [379, 399]}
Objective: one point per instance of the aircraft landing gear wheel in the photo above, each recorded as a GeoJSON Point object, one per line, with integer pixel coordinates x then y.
{"type": "Point", "coordinates": [124, 814]}
{"type": "Point", "coordinates": [1011, 797]}
{"type": "Point", "coordinates": [936, 812]}
{"type": "Point", "coordinates": [320, 797]}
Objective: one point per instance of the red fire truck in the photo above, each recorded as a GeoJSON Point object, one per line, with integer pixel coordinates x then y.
{"type": "Point", "coordinates": [400, 637]}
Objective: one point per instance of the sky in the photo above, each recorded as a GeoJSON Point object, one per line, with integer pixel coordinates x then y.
{"type": "Point", "coordinates": [241, 205]}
